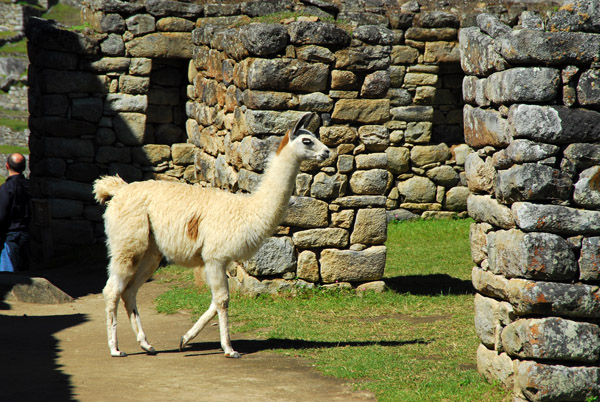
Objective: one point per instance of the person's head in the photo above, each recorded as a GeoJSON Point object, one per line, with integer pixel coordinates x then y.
{"type": "Point", "coordinates": [16, 163]}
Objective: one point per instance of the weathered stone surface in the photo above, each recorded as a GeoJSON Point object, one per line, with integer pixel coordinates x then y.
{"type": "Point", "coordinates": [308, 266]}
{"type": "Point", "coordinates": [370, 182]}
{"type": "Point", "coordinates": [270, 100]}
{"type": "Point", "coordinates": [375, 137]}
{"type": "Point", "coordinates": [364, 111]}
{"type": "Point", "coordinates": [589, 260]}
{"type": "Point", "coordinates": [553, 298]}
{"type": "Point", "coordinates": [456, 199]}
{"type": "Point", "coordinates": [477, 53]}
{"type": "Point", "coordinates": [542, 256]}
{"type": "Point", "coordinates": [552, 339]}
{"type": "Point", "coordinates": [582, 156]}
{"type": "Point", "coordinates": [328, 237]}
{"type": "Point", "coordinates": [151, 154]}
{"type": "Point", "coordinates": [32, 290]}
{"type": "Point", "coordinates": [287, 74]}
{"type": "Point", "coordinates": [374, 35]}
{"type": "Point", "coordinates": [264, 39]}
{"type": "Point", "coordinates": [576, 16]}
{"type": "Point", "coordinates": [113, 45]}
{"type": "Point", "coordinates": [478, 239]}
{"type": "Point", "coordinates": [587, 190]}
{"type": "Point", "coordinates": [436, 19]}
{"type": "Point", "coordinates": [352, 266]}
{"type": "Point", "coordinates": [53, 81]}
{"type": "Point", "coordinates": [398, 159]}
{"type": "Point", "coordinates": [168, 8]}
{"type": "Point", "coordinates": [364, 58]}
{"type": "Point", "coordinates": [315, 102]}
{"type": "Point", "coordinates": [430, 34]}
{"type": "Point", "coordinates": [480, 175]}
{"type": "Point", "coordinates": [523, 84]}
{"type": "Point", "coordinates": [588, 92]}
{"type": "Point", "coordinates": [274, 257]}
{"type": "Point", "coordinates": [417, 189]}
{"type": "Point", "coordinates": [483, 127]}
{"type": "Point", "coordinates": [62, 127]}
{"type": "Point", "coordinates": [490, 284]}
{"type": "Point", "coordinates": [441, 52]}
{"type": "Point", "coordinates": [174, 24]}
{"type": "Point", "coordinates": [343, 219]}
{"type": "Point", "coordinates": [328, 186]}
{"type": "Point", "coordinates": [544, 382]}
{"type": "Point", "coordinates": [495, 367]}
{"type": "Point", "coordinates": [336, 135]}
{"type": "Point", "coordinates": [370, 227]}
{"type": "Point", "coordinates": [404, 55]}
{"type": "Point", "coordinates": [343, 79]}
{"type": "Point", "coordinates": [270, 122]}
{"type": "Point", "coordinates": [315, 54]}
{"type": "Point", "coordinates": [491, 316]}
{"type": "Point", "coordinates": [532, 181]}
{"type": "Point", "coordinates": [443, 175]}
{"type": "Point", "coordinates": [107, 154]}
{"type": "Point", "coordinates": [425, 154]}
{"type": "Point", "coordinates": [534, 47]}
{"type": "Point", "coordinates": [492, 25]}
{"type": "Point", "coordinates": [555, 124]}
{"type": "Point", "coordinates": [484, 208]}
{"type": "Point", "coordinates": [376, 84]}
{"type": "Point", "coordinates": [48, 35]}
{"type": "Point", "coordinates": [418, 132]}
{"type": "Point", "coordinates": [360, 201]}
{"type": "Point", "coordinates": [412, 113]}
{"type": "Point", "coordinates": [317, 33]}
{"type": "Point", "coordinates": [141, 24]}
{"type": "Point", "coordinates": [375, 286]}
{"type": "Point", "coordinates": [130, 128]}
{"type": "Point", "coordinates": [556, 219]}
{"type": "Point", "coordinates": [306, 212]}
{"type": "Point", "coordinates": [523, 151]}
{"type": "Point", "coordinates": [177, 45]}
{"type": "Point", "coordinates": [371, 161]}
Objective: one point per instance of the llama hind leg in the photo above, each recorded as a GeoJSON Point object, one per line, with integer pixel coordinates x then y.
{"type": "Point", "coordinates": [145, 269]}
{"type": "Point", "coordinates": [112, 293]}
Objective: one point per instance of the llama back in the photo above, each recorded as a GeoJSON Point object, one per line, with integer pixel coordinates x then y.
{"type": "Point", "coordinates": [106, 187]}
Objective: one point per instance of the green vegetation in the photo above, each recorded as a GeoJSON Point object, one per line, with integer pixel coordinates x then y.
{"type": "Point", "coordinates": [14, 119]}
{"type": "Point", "coordinates": [64, 14]}
{"type": "Point", "coordinates": [9, 149]}
{"type": "Point", "coordinates": [416, 342]}
{"type": "Point", "coordinates": [14, 48]}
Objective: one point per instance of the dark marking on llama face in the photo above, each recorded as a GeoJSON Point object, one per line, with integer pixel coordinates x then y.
{"type": "Point", "coordinates": [192, 227]}
{"type": "Point", "coordinates": [284, 142]}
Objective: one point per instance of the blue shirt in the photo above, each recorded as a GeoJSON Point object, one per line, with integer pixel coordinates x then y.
{"type": "Point", "coordinates": [15, 205]}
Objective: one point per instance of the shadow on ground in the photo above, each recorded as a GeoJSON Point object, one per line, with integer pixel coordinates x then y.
{"type": "Point", "coordinates": [29, 353]}
{"type": "Point", "coordinates": [430, 285]}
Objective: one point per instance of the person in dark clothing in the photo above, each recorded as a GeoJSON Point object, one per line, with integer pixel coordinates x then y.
{"type": "Point", "coordinates": [15, 214]}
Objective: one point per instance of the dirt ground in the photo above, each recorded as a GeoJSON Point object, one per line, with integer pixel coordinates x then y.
{"type": "Point", "coordinates": [58, 352]}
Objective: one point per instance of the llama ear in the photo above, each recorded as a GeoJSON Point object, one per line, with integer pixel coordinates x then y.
{"type": "Point", "coordinates": [301, 123]}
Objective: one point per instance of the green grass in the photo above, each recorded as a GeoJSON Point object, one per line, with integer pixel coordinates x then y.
{"type": "Point", "coordinates": [14, 49]}
{"type": "Point", "coordinates": [9, 149]}
{"type": "Point", "coordinates": [64, 14]}
{"type": "Point", "coordinates": [414, 343]}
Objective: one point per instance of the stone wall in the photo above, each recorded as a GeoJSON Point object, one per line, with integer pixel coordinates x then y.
{"type": "Point", "coordinates": [532, 118]}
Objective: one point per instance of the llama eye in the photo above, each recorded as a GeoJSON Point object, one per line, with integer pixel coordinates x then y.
{"type": "Point", "coordinates": [307, 141]}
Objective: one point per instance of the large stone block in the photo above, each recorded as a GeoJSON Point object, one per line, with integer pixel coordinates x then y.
{"type": "Point", "coordinates": [553, 298]}
{"type": "Point", "coordinates": [542, 256]}
{"type": "Point", "coordinates": [274, 257]}
{"type": "Point", "coordinates": [328, 237]}
{"type": "Point", "coordinates": [576, 16]}
{"type": "Point", "coordinates": [422, 155]}
{"type": "Point", "coordinates": [62, 127]}
{"type": "Point", "coordinates": [371, 182]}
{"type": "Point", "coordinates": [552, 339]}
{"type": "Point", "coordinates": [317, 33]}
{"type": "Point", "coordinates": [370, 226]}
{"type": "Point", "coordinates": [545, 383]}
{"type": "Point", "coordinates": [582, 155]}
{"type": "Point", "coordinates": [168, 8]}
{"type": "Point", "coordinates": [478, 56]}
{"type": "Point", "coordinates": [523, 85]}
{"type": "Point", "coordinates": [587, 189]}
{"type": "Point", "coordinates": [352, 266]}
{"type": "Point", "coordinates": [130, 128]}
{"type": "Point", "coordinates": [480, 175]}
{"type": "Point", "coordinates": [375, 137]}
{"type": "Point", "coordinates": [556, 219]}
{"type": "Point", "coordinates": [360, 201]}
{"type": "Point", "coordinates": [308, 266]}
{"type": "Point", "coordinates": [363, 58]}
{"type": "Point", "coordinates": [456, 199]}
{"type": "Point", "coordinates": [523, 151]}
{"type": "Point", "coordinates": [117, 102]}
{"type": "Point", "coordinates": [168, 45]}
{"type": "Point", "coordinates": [287, 75]}
{"type": "Point", "coordinates": [495, 366]}
{"type": "Point", "coordinates": [264, 39]}
{"type": "Point", "coordinates": [364, 111]}
{"type": "Point", "coordinates": [588, 87]}
{"type": "Point", "coordinates": [270, 122]}
{"type": "Point", "coordinates": [491, 316]}
{"type": "Point", "coordinates": [327, 186]}
{"type": "Point", "coordinates": [484, 208]}
{"type": "Point", "coordinates": [489, 284]}
{"type": "Point", "coordinates": [398, 159]}
{"type": "Point", "coordinates": [532, 181]}
{"type": "Point", "coordinates": [589, 260]}
{"type": "Point", "coordinates": [417, 189]}
{"type": "Point", "coordinates": [306, 212]}
{"type": "Point", "coordinates": [478, 239]}
{"type": "Point", "coordinates": [53, 81]}
{"type": "Point", "coordinates": [485, 127]}
{"type": "Point", "coordinates": [412, 113]}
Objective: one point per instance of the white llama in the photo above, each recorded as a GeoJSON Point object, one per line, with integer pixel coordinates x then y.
{"type": "Point", "coordinates": [194, 227]}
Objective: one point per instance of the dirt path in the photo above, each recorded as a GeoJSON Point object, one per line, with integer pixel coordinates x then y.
{"type": "Point", "coordinates": [59, 353]}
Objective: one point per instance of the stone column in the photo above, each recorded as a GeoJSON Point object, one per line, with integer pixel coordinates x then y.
{"type": "Point", "coordinates": [530, 118]}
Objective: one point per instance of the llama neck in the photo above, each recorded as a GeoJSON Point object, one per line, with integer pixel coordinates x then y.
{"type": "Point", "coordinates": [271, 199]}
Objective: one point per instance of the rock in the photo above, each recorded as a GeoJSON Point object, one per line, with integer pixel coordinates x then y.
{"type": "Point", "coordinates": [456, 199]}
{"type": "Point", "coordinates": [375, 137]}
{"type": "Point", "coordinates": [442, 52]}
{"type": "Point", "coordinates": [151, 154]}
{"type": "Point", "coordinates": [329, 237]}
{"type": "Point", "coordinates": [270, 122]}
{"type": "Point", "coordinates": [495, 367]}
{"type": "Point", "coordinates": [48, 35]}
{"type": "Point", "coordinates": [264, 39]}
{"type": "Point", "coordinates": [371, 161]}
{"type": "Point", "coordinates": [363, 111]}
{"type": "Point", "coordinates": [306, 212]}
{"type": "Point", "coordinates": [418, 132]}
{"type": "Point", "coordinates": [417, 189]}
{"type": "Point", "coordinates": [162, 45]}
{"type": "Point", "coordinates": [552, 339]}
{"type": "Point", "coordinates": [32, 290]}
{"type": "Point", "coordinates": [141, 24]}
{"type": "Point", "coordinates": [352, 266]}
{"type": "Point", "coordinates": [287, 74]}
{"type": "Point", "coordinates": [483, 208]}
{"type": "Point", "coordinates": [374, 35]}
{"type": "Point", "coordinates": [398, 159]}
{"type": "Point", "coordinates": [587, 192]}
{"type": "Point", "coordinates": [308, 266]}
{"type": "Point", "coordinates": [430, 34]}
{"type": "Point", "coordinates": [544, 382]}
{"type": "Point", "coordinates": [107, 154]}
{"type": "Point", "coordinates": [460, 153]}
{"type": "Point", "coordinates": [363, 58]}
{"type": "Point", "coordinates": [373, 181]}
{"type": "Point", "coordinates": [556, 219]}
{"type": "Point", "coordinates": [589, 260]}
{"type": "Point", "coordinates": [328, 186]}
{"type": "Point", "coordinates": [478, 239]}
{"type": "Point", "coordinates": [436, 19]}
{"type": "Point", "coordinates": [168, 8]}
{"type": "Point", "coordinates": [360, 201]}
{"type": "Point", "coordinates": [443, 175]}
{"type": "Point", "coordinates": [523, 151]}
{"type": "Point", "coordinates": [403, 55]}
{"type": "Point", "coordinates": [174, 24]}
{"type": "Point", "coordinates": [399, 215]}
{"type": "Point", "coordinates": [588, 92]}
{"type": "Point", "coordinates": [489, 284]}
{"type": "Point", "coordinates": [376, 84]}
{"type": "Point", "coordinates": [343, 79]}
{"type": "Point", "coordinates": [130, 128]}
{"type": "Point", "coordinates": [523, 84]}
{"type": "Point", "coordinates": [274, 257]}
{"type": "Point", "coordinates": [412, 113]}
{"type": "Point", "coordinates": [541, 256]}
{"type": "Point", "coordinates": [483, 127]}
{"type": "Point", "coordinates": [63, 82]}
{"type": "Point", "coordinates": [532, 181]}
{"type": "Point", "coordinates": [576, 16]}
{"type": "Point", "coordinates": [370, 227]}
{"type": "Point", "coordinates": [582, 156]}
{"type": "Point", "coordinates": [477, 53]}
{"type": "Point", "coordinates": [315, 54]}
{"type": "Point", "coordinates": [376, 286]}
{"type": "Point", "coordinates": [343, 219]}
{"type": "Point", "coordinates": [118, 102]}
{"type": "Point", "coordinates": [422, 155]}
{"type": "Point", "coordinates": [315, 102]}
{"type": "Point", "coordinates": [480, 175]}
{"type": "Point", "coordinates": [491, 25]}
{"type": "Point", "coordinates": [491, 316]}
{"type": "Point", "coordinates": [317, 33]}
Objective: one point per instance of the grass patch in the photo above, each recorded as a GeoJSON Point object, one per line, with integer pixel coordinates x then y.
{"type": "Point", "coordinates": [9, 149]}
{"type": "Point", "coordinates": [415, 343]}
{"type": "Point", "coordinates": [14, 49]}
{"type": "Point", "coordinates": [64, 14]}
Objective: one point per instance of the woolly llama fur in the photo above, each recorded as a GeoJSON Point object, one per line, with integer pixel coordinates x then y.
{"type": "Point", "coordinates": [194, 227]}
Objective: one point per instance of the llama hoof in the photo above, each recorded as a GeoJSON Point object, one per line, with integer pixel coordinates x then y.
{"type": "Point", "coordinates": [181, 344]}
{"type": "Point", "coordinates": [233, 355]}
{"type": "Point", "coordinates": [118, 354]}
{"type": "Point", "coordinates": [150, 350]}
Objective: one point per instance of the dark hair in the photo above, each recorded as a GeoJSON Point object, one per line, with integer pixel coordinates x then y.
{"type": "Point", "coordinates": [19, 165]}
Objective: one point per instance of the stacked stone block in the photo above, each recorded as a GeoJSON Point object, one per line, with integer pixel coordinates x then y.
{"type": "Point", "coordinates": [532, 121]}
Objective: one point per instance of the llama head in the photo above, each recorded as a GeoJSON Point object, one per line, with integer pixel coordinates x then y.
{"type": "Point", "coordinates": [303, 143]}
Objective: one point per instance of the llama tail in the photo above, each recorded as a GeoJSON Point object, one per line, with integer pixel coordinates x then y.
{"type": "Point", "coordinates": [106, 187]}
